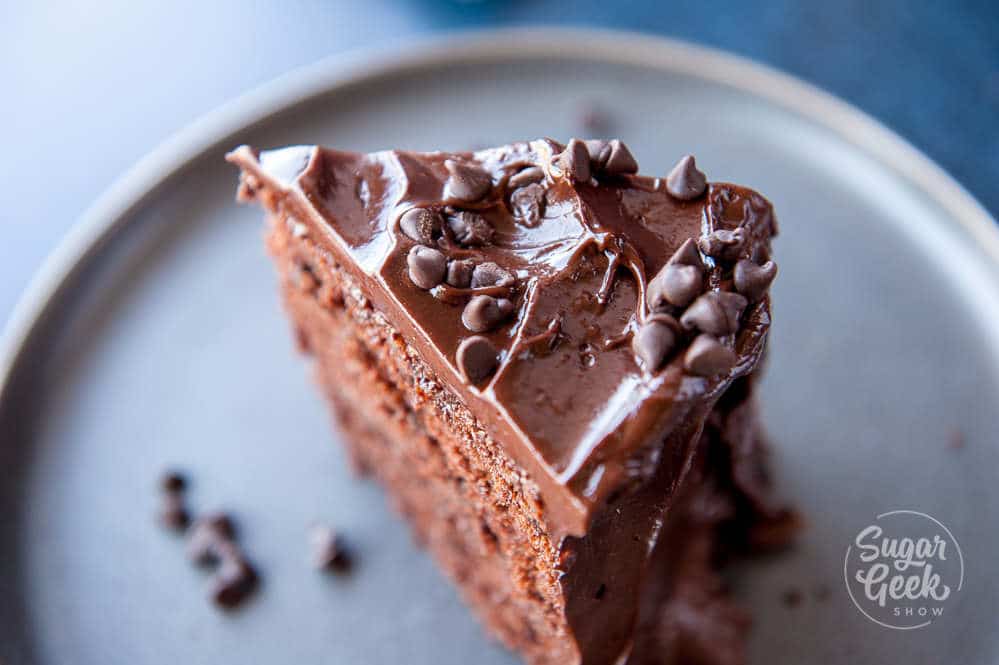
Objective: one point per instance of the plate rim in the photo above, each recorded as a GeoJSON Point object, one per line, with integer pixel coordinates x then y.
{"type": "Point", "coordinates": [109, 213]}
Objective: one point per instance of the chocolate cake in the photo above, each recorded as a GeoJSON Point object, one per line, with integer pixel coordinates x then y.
{"type": "Point", "coordinates": [547, 360]}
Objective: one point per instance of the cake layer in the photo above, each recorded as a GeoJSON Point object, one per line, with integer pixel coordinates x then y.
{"type": "Point", "coordinates": [553, 600]}
{"type": "Point", "coordinates": [520, 275]}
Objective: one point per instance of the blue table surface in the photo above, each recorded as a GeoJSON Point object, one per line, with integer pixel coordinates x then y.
{"type": "Point", "coordinates": [92, 87]}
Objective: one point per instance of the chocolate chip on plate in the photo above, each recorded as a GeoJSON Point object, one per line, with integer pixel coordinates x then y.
{"type": "Point", "coordinates": [616, 159]}
{"type": "Point", "coordinates": [525, 177]}
{"type": "Point", "coordinates": [685, 181]}
{"type": "Point", "coordinates": [723, 244]}
{"type": "Point", "coordinates": [752, 280]}
{"type": "Point", "coordinates": [466, 182]}
{"type": "Point", "coordinates": [715, 312]}
{"type": "Point", "coordinates": [421, 224]}
{"type": "Point", "coordinates": [209, 536]}
{"type": "Point", "coordinates": [426, 266]}
{"type": "Point", "coordinates": [329, 552]}
{"type": "Point", "coordinates": [708, 357]}
{"type": "Point", "coordinates": [173, 481]}
{"type": "Point", "coordinates": [490, 274]}
{"type": "Point", "coordinates": [476, 358]}
{"type": "Point", "coordinates": [459, 273]}
{"type": "Point", "coordinates": [687, 254]}
{"type": "Point", "coordinates": [655, 340]}
{"type": "Point", "coordinates": [528, 204]}
{"type": "Point", "coordinates": [575, 161]}
{"type": "Point", "coordinates": [484, 312]}
{"type": "Point", "coordinates": [174, 515]}
{"type": "Point", "coordinates": [234, 581]}
{"type": "Point", "coordinates": [470, 228]}
{"type": "Point", "coordinates": [676, 284]}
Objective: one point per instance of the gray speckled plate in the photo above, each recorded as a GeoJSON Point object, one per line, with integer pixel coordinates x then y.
{"type": "Point", "coordinates": [154, 337]}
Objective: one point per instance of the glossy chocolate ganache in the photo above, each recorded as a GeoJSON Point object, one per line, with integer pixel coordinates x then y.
{"type": "Point", "coordinates": [589, 316]}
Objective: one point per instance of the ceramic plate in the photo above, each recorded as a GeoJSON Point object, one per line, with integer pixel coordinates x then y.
{"type": "Point", "coordinates": [154, 338]}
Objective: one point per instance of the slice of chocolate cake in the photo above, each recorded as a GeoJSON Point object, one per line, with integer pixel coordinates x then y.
{"type": "Point", "coordinates": [546, 360]}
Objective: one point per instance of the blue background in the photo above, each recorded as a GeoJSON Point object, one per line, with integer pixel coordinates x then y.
{"type": "Point", "coordinates": [90, 87]}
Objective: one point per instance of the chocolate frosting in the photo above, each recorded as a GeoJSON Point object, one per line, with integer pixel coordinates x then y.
{"type": "Point", "coordinates": [607, 439]}
{"type": "Point", "coordinates": [568, 401]}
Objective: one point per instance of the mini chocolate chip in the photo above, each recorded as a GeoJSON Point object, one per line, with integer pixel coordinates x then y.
{"type": "Point", "coordinates": [476, 358]}
{"type": "Point", "coordinates": [715, 312]}
{"type": "Point", "coordinates": [723, 244]}
{"type": "Point", "coordinates": [484, 313]}
{"type": "Point", "coordinates": [490, 274]}
{"type": "Point", "coordinates": [655, 340]}
{"type": "Point", "coordinates": [752, 280]}
{"type": "Point", "coordinates": [173, 481]}
{"type": "Point", "coordinates": [421, 224]}
{"type": "Point", "coordinates": [459, 273]}
{"type": "Point", "coordinates": [173, 514]}
{"type": "Point", "coordinates": [685, 181]}
{"type": "Point", "coordinates": [687, 254]}
{"type": "Point", "coordinates": [599, 152]}
{"type": "Point", "coordinates": [470, 228]}
{"type": "Point", "coordinates": [528, 204]}
{"type": "Point", "coordinates": [575, 161]}
{"type": "Point", "coordinates": [235, 580]}
{"type": "Point", "coordinates": [708, 357]}
{"type": "Point", "coordinates": [525, 177]}
{"type": "Point", "coordinates": [329, 551]}
{"type": "Point", "coordinates": [207, 536]}
{"type": "Point", "coordinates": [676, 285]}
{"type": "Point", "coordinates": [426, 266]}
{"type": "Point", "coordinates": [618, 160]}
{"type": "Point", "coordinates": [466, 182]}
